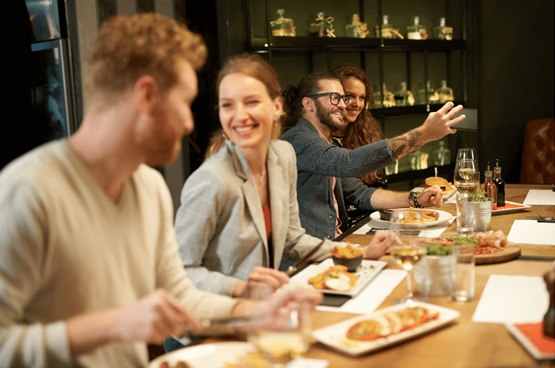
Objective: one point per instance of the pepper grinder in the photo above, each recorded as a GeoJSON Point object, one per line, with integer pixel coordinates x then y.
{"type": "Point", "coordinates": [549, 318]}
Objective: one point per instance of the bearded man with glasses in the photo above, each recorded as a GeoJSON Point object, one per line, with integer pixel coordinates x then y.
{"type": "Point", "coordinates": [327, 174]}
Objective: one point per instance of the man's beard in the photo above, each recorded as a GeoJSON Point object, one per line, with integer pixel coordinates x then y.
{"type": "Point", "coordinates": [325, 117]}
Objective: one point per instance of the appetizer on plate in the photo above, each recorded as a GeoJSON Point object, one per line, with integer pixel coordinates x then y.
{"type": "Point", "coordinates": [488, 242]}
{"type": "Point", "coordinates": [334, 278]}
{"type": "Point", "coordinates": [391, 323]}
{"type": "Point", "coordinates": [426, 215]}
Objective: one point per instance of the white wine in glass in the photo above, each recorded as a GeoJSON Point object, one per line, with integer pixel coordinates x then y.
{"type": "Point", "coordinates": [281, 338]}
{"type": "Point", "coordinates": [408, 253]}
{"type": "Point", "coordinates": [466, 177]}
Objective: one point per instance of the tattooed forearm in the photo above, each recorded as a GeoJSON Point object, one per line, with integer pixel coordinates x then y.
{"type": "Point", "coordinates": [404, 144]}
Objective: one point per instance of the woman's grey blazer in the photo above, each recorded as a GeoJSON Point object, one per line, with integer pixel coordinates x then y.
{"type": "Point", "coordinates": [220, 224]}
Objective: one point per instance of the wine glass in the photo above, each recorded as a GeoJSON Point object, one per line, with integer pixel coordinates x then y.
{"type": "Point", "coordinates": [466, 176]}
{"type": "Point", "coordinates": [282, 336]}
{"type": "Point", "coordinates": [467, 154]}
{"type": "Point", "coordinates": [411, 251]}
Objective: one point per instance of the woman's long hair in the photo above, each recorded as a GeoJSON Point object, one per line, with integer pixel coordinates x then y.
{"type": "Point", "coordinates": [365, 128]}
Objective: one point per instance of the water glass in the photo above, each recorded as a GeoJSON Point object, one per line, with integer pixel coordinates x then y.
{"type": "Point", "coordinates": [463, 290]}
{"type": "Point", "coordinates": [465, 215]}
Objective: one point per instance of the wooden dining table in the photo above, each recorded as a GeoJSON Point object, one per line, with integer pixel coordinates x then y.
{"type": "Point", "coordinates": [463, 343]}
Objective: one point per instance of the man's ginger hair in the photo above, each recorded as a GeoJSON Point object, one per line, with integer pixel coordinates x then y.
{"type": "Point", "coordinates": [129, 47]}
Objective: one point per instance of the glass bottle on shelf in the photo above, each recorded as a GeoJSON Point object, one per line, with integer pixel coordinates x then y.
{"type": "Point", "coordinates": [401, 95]}
{"type": "Point", "coordinates": [282, 27]}
{"type": "Point", "coordinates": [387, 30]}
{"type": "Point", "coordinates": [500, 184]}
{"type": "Point", "coordinates": [319, 26]}
{"type": "Point", "coordinates": [489, 187]}
{"type": "Point", "coordinates": [415, 159]}
{"type": "Point", "coordinates": [432, 97]}
{"type": "Point", "coordinates": [442, 32]}
{"type": "Point", "coordinates": [356, 29]}
{"type": "Point", "coordinates": [442, 155]}
{"type": "Point", "coordinates": [417, 31]}
{"type": "Point", "coordinates": [445, 93]}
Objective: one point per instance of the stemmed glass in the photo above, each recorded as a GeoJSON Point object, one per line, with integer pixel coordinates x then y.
{"type": "Point", "coordinates": [466, 176]}
{"type": "Point", "coordinates": [281, 336]}
{"type": "Point", "coordinates": [410, 252]}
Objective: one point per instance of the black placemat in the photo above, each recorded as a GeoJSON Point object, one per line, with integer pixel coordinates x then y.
{"type": "Point", "coordinates": [331, 300]}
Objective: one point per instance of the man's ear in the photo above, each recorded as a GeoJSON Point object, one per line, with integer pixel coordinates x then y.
{"type": "Point", "coordinates": [145, 93]}
{"type": "Point", "coordinates": [308, 103]}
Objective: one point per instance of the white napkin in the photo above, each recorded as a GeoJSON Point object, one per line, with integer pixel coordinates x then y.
{"type": "Point", "coordinates": [307, 363]}
{"type": "Point", "coordinates": [532, 232]}
{"type": "Point", "coordinates": [512, 299]}
{"type": "Point", "coordinates": [370, 298]}
{"type": "Point", "coordinates": [540, 197]}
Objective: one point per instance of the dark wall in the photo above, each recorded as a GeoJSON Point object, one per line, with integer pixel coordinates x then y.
{"type": "Point", "coordinates": [516, 77]}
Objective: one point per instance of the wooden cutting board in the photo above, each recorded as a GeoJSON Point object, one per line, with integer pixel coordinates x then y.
{"type": "Point", "coordinates": [509, 253]}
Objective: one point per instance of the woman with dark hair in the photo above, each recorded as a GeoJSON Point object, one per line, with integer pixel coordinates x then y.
{"type": "Point", "coordinates": [239, 213]}
{"type": "Point", "coordinates": [362, 128]}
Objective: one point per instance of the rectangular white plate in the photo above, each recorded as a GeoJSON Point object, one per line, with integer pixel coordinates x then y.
{"type": "Point", "coordinates": [366, 272]}
{"type": "Point", "coordinates": [527, 343]}
{"type": "Point", "coordinates": [510, 210]}
{"type": "Point", "coordinates": [335, 335]}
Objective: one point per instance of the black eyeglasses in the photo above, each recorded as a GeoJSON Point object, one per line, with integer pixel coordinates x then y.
{"type": "Point", "coordinates": [335, 97]}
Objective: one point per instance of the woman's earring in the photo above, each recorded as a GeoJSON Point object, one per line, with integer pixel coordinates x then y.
{"type": "Point", "coordinates": [223, 134]}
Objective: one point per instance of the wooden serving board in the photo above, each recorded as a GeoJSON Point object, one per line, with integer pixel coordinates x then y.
{"type": "Point", "coordinates": [509, 253]}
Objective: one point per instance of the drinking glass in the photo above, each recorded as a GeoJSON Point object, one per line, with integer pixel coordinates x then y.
{"type": "Point", "coordinates": [411, 251]}
{"type": "Point", "coordinates": [282, 336]}
{"type": "Point", "coordinates": [466, 176]}
{"type": "Point", "coordinates": [467, 154]}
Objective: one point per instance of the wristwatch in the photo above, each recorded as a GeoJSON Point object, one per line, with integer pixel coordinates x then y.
{"type": "Point", "coordinates": [413, 200]}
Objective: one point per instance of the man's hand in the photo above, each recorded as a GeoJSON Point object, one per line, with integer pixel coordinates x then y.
{"type": "Point", "coordinates": [151, 319]}
{"type": "Point", "coordinates": [272, 311]}
{"type": "Point", "coordinates": [431, 197]}
{"type": "Point", "coordinates": [273, 279]}
{"type": "Point", "coordinates": [380, 244]}
{"type": "Point", "coordinates": [438, 124]}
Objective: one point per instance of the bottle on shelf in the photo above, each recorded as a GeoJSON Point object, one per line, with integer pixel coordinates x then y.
{"type": "Point", "coordinates": [445, 93]}
{"type": "Point", "coordinates": [356, 29]}
{"type": "Point", "coordinates": [282, 27]}
{"type": "Point", "coordinates": [388, 100]}
{"type": "Point", "coordinates": [401, 98]}
{"type": "Point", "coordinates": [442, 32]}
{"type": "Point", "coordinates": [387, 30]}
{"type": "Point", "coordinates": [418, 160]}
{"type": "Point", "coordinates": [442, 155]}
{"type": "Point", "coordinates": [489, 187]}
{"type": "Point", "coordinates": [417, 31]}
{"type": "Point", "coordinates": [500, 184]}
{"type": "Point", "coordinates": [322, 26]}
{"type": "Point", "coordinates": [431, 98]}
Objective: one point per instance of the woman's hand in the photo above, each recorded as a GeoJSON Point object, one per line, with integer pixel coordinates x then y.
{"type": "Point", "coordinates": [273, 279]}
{"type": "Point", "coordinates": [431, 197]}
{"type": "Point", "coordinates": [380, 244]}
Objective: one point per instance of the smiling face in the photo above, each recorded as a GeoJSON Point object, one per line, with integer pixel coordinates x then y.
{"type": "Point", "coordinates": [247, 112]}
{"type": "Point", "coordinates": [355, 90]}
{"type": "Point", "coordinates": [329, 115]}
{"type": "Point", "coordinates": [170, 119]}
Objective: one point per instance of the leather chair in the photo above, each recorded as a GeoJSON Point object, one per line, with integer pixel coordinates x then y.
{"type": "Point", "coordinates": [538, 154]}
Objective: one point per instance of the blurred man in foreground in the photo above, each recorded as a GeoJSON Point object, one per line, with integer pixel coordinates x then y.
{"type": "Point", "coordinates": [89, 269]}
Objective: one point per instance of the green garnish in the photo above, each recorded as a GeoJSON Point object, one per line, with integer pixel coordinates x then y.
{"type": "Point", "coordinates": [479, 196]}
{"type": "Point", "coordinates": [435, 249]}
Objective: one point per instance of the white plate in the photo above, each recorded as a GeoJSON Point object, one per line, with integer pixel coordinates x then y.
{"type": "Point", "coordinates": [335, 335]}
{"type": "Point", "coordinates": [510, 210]}
{"type": "Point", "coordinates": [443, 216]}
{"type": "Point", "coordinates": [206, 356]}
{"type": "Point", "coordinates": [366, 272]}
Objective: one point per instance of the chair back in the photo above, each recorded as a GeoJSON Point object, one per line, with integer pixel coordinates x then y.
{"type": "Point", "coordinates": [538, 154]}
